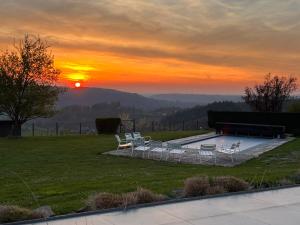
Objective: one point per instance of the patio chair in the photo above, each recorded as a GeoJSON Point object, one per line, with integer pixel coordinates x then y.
{"type": "Point", "coordinates": [157, 147]}
{"type": "Point", "coordinates": [122, 143]}
{"type": "Point", "coordinates": [128, 137]}
{"type": "Point", "coordinates": [208, 147]}
{"type": "Point", "coordinates": [175, 149]}
{"type": "Point", "coordinates": [139, 145]}
{"type": "Point", "coordinates": [137, 135]}
{"type": "Point", "coordinates": [207, 154]}
{"type": "Point", "coordinates": [230, 151]}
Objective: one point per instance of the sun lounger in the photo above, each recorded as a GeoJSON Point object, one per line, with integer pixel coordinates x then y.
{"type": "Point", "coordinates": [122, 143]}
{"type": "Point", "coordinates": [175, 149]}
{"type": "Point", "coordinates": [139, 145]}
{"type": "Point", "coordinates": [128, 137]}
{"type": "Point", "coordinates": [137, 135]}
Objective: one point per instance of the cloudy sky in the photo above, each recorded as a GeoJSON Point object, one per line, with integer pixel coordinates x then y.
{"type": "Point", "coordinates": [156, 46]}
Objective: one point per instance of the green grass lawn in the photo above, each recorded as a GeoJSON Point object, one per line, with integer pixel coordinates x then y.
{"type": "Point", "coordinates": [63, 171]}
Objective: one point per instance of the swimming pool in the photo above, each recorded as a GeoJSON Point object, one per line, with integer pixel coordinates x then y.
{"type": "Point", "coordinates": [227, 141]}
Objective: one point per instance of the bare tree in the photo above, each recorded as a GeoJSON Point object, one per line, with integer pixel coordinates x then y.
{"type": "Point", "coordinates": [271, 95]}
{"type": "Point", "coordinates": [28, 82]}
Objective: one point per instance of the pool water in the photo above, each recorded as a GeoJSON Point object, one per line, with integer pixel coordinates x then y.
{"type": "Point", "coordinates": [227, 141]}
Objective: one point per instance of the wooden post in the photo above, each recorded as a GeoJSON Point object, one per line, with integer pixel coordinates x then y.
{"type": "Point", "coordinates": [133, 125]}
{"type": "Point", "coordinates": [197, 125]}
{"type": "Point", "coordinates": [152, 128]}
{"type": "Point", "coordinates": [56, 128]}
{"type": "Point", "coordinates": [33, 129]}
{"type": "Point", "coordinates": [80, 128]}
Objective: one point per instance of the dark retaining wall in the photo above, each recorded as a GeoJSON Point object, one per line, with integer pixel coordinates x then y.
{"type": "Point", "coordinates": [291, 121]}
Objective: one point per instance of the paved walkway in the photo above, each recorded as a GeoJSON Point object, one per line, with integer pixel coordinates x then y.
{"type": "Point", "coordinates": [280, 207]}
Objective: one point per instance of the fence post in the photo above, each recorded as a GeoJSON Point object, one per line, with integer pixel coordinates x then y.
{"type": "Point", "coordinates": [120, 127]}
{"type": "Point", "coordinates": [56, 128]}
{"type": "Point", "coordinates": [183, 125]}
{"type": "Point", "coordinates": [80, 128]}
{"type": "Point", "coordinates": [197, 125]}
{"type": "Point", "coordinates": [152, 126]}
{"type": "Point", "coordinates": [133, 125]}
{"type": "Point", "coordinates": [33, 129]}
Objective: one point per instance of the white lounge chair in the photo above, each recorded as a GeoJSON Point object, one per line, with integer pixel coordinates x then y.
{"type": "Point", "coordinates": [128, 137]}
{"type": "Point", "coordinates": [140, 145]}
{"type": "Point", "coordinates": [208, 147]}
{"type": "Point", "coordinates": [230, 151]}
{"type": "Point", "coordinates": [156, 147]}
{"type": "Point", "coordinates": [137, 135]}
{"type": "Point", "coordinates": [175, 149]}
{"type": "Point", "coordinates": [122, 143]}
{"type": "Point", "coordinates": [207, 154]}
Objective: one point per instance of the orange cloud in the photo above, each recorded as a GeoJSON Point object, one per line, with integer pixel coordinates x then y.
{"type": "Point", "coordinates": [161, 46]}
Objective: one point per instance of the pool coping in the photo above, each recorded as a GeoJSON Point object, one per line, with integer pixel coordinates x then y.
{"type": "Point", "coordinates": [146, 205]}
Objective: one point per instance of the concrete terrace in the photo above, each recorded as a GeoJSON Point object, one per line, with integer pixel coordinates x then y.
{"type": "Point", "coordinates": [222, 159]}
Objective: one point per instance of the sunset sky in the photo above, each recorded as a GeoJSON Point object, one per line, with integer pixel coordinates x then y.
{"type": "Point", "coordinates": [160, 46]}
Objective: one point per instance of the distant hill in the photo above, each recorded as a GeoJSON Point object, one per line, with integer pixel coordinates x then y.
{"type": "Point", "coordinates": [196, 99]}
{"type": "Point", "coordinates": [199, 113]}
{"type": "Point", "coordinates": [92, 96]}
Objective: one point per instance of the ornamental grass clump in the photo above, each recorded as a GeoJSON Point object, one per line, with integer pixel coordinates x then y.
{"type": "Point", "coordinates": [230, 183]}
{"type": "Point", "coordinates": [202, 185]}
{"type": "Point", "coordinates": [196, 186]}
{"type": "Point", "coordinates": [109, 200]}
{"type": "Point", "coordinates": [12, 213]}
{"type": "Point", "coordinates": [103, 201]}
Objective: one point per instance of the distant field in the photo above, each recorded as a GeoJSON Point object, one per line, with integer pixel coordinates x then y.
{"type": "Point", "coordinates": [63, 171]}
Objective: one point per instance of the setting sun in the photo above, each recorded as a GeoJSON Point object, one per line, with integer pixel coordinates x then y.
{"type": "Point", "coordinates": [77, 84]}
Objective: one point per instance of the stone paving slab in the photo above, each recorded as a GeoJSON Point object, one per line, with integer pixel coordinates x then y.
{"type": "Point", "coordinates": [275, 207]}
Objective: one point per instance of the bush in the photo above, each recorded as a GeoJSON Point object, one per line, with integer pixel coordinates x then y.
{"type": "Point", "coordinates": [104, 201]}
{"type": "Point", "coordinates": [214, 190]}
{"type": "Point", "coordinates": [15, 213]}
{"type": "Point", "coordinates": [109, 200]}
{"type": "Point", "coordinates": [230, 183]}
{"type": "Point", "coordinates": [147, 196]}
{"type": "Point", "coordinates": [107, 125]}
{"type": "Point", "coordinates": [196, 186]}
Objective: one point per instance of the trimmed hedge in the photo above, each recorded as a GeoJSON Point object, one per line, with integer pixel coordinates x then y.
{"type": "Point", "coordinates": [107, 125]}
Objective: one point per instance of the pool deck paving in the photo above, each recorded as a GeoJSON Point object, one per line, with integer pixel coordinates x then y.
{"type": "Point", "coordinates": [276, 207]}
{"type": "Point", "coordinates": [222, 159]}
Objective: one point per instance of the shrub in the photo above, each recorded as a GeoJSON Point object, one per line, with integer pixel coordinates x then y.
{"type": "Point", "coordinates": [146, 196]}
{"type": "Point", "coordinates": [103, 201]}
{"type": "Point", "coordinates": [213, 190]}
{"type": "Point", "coordinates": [15, 213]}
{"type": "Point", "coordinates": [196, 186]}
{"type": "Point", "coordinates": [107, 125]}
{"type": "Point", "coordinates": [230, 183]}
{"type": "Point", "coordinates": [109, 200]}
{"type": "Point", "coordinates": [129, 199]}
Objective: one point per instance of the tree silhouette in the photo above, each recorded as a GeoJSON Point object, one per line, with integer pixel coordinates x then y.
{"type": "Point", "coordinates": [28, 82]}
{"type": "Point", "coordinates": [271, 95]}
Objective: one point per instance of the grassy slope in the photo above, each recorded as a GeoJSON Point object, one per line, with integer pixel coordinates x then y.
{"type": "Point", "coordinates": [63, 171]}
